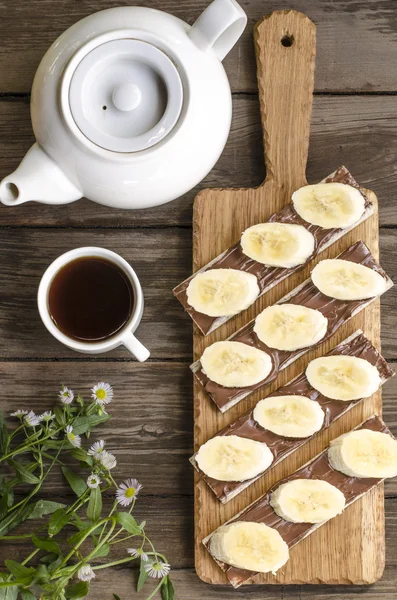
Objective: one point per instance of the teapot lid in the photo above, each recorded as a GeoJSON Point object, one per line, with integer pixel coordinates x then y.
{"type": "Point", "coordinates": [125, 95]}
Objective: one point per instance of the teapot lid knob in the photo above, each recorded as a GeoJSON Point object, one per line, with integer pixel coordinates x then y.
{"type": "Point", "coordinates": [124, 95]}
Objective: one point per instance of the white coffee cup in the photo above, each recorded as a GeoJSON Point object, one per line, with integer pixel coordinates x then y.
{"type": "Point", "coordinates": [124, 337]}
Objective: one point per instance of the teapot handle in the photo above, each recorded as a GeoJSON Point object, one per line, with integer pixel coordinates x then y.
{"type": "Point", "coordinates": [219, 27]}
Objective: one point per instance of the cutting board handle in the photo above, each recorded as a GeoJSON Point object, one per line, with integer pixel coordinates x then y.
{"type": "Point", "coordinates": [285, 45]}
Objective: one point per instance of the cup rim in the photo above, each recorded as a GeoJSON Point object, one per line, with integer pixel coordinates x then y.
{"type": "Point", "coordinates": [54, 268]}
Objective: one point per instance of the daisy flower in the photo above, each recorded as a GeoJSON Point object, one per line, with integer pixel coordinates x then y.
{"type": "Point", "coordinates": [93, 481]}
{"type": "Point", "coordinates": [107, 460]}
{"type": "Point", "coordinates": [31, 419]}
{"type": "Point", "coordinates": [19, 413]}
{"type": "Point", "coordinates": [157, 569]}
{"type": "Point", "coordinates": [85, 573]}
{"type": "Point", "coordinates": [137, 552]}
{"type": "Point", "coordinates": [47, 416]}
{"type": "Point", "coordinates": [75, 440]}
{"type": "Point", "coordinates": [102, 393]}
{"type": "Point", "coordinates": [97, 449]}
{"type": "Point", "coordinates": [66, 395]}
{"type": "Point", "coordinates": [128, 491]}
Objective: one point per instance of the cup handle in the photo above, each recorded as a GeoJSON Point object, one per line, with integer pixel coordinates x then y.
{"type": "Point", "coordinates": [219, 27]}
{"type": "Point", "coordinates": [135, 347]}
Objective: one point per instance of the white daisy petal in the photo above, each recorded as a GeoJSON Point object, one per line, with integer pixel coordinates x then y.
{"type": "Point", "coordinates": [47, 416]}
{"type": "Point", "coordinates": [138, 552]}
{"type": "Point", "coordinates": [75, 440]}
{"type": "Point", "coordinates": [85, 573]}
{"type": "Point", "coordinates": [128, 491]}
{"type": "Point", "coordinates": [157, 569]}
{"type": "Point", "coordinates": [102, 393]}
{"type": "Point", "coordinates": [31, 419]}
{"type": "Point", "coordinates": [107, 460]}
{"type": "Point", "coordinates": [66, 395]}
{"type": "Point", "coordinates": [19, 413]}
{"type": "Point", "coordinates": [93, 481]}
{"type": "Point", "coordinates": [96, 449]}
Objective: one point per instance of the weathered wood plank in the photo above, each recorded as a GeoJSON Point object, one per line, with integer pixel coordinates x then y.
{"type": "Point", "coordinates": [358, 131]}
{"type": "Point", "coordinates": [161, 257]}
{"type": "Point", "coordinates": [170, 526]}
{"type": "Point", "coordinates": [151, 426]}
{"type": "Point", "coordinates": [357, 40]}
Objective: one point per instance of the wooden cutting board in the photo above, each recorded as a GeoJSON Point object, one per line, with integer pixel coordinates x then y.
{"type": "Point", "coordinates": [349, 549]}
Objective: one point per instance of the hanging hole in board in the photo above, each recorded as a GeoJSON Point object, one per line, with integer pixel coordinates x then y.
{"type": "Point", "coordinates": [104, 107]}
{"type": "Point", "coordinates": [287, 41]}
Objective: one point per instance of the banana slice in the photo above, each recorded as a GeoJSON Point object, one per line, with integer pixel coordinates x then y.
{"type": "Point", "coordinates": [290, 327]}
{"type": "Point", "coordinates": [234, 364]}
{"type": "Point", "coordinates": [346, 280]}
{"type": "Point", "coordinates": [343, 377]}
{"type": "Point", "coordinates": [329, 205]}
{"type": "Point", "coordinates": [222, 292]}
{"type": "Point", "coordinates": [364, 453]}
{"type": "Point", "coordinates": [289, 416]}
{"type": "Point", "coordinates": [278, 244]}
{"type": "Point", "coordinates": [233, 458]}
{"type": "Point", "coordinates": [307, 501]}
{"type": "Point", "coordinates": [249, 545]}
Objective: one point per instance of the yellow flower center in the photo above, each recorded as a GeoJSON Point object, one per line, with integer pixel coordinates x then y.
{"type": "Point", "coordinates": [100, 394]}
{"type": "Point", "coordinates": [71, 436]}
{"type": "Point", "coordinates": [130, 492]}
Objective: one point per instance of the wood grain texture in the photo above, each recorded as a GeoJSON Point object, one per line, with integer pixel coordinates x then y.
{"type": "Point", "coordinates": [359, 131]}
{"type": "Point", "coordinates": [357, 39]}
{"type": "Point", "coordinates": [349, 549]}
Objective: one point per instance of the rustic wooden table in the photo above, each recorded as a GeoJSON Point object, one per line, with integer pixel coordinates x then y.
{"type": "Point", "coordinates": [354, 122]}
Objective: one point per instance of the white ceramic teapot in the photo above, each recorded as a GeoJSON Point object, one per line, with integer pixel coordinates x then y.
{"type": "Point", "coordinates": [131, 107]}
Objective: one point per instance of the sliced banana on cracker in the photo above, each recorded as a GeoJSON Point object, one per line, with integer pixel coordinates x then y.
{"type": "Point", "coordinates": [234, 364]}
{"type": "Point", "coordinates": [283, 245]}
{"type": "Point", "coordinates": [290, 327]}
{"type": "Point", "coordinates": [329, 205]}
{"type": "Point", "coordinates": [289, 416]}
{"type": "Point", "coordinates": [346, 280]}
{"type": "Point", "coordinates": [249, 545]}
{"type": "Point", "coordinates": [222, 292]}
{"type": "Point", "coordinates": [343, 377]}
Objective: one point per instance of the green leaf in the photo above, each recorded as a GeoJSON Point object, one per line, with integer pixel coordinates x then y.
{"type": "Point", "coordinates": [53, 445]}
{"type": "Point", "coordinates": [95, 505]}
{"type": "Point", "coordinates": [42, 574]}
{"type": "Point", "coordinates": [76, 538]}
{"type": "Point", "coordinates": [57, 521]}
{"type": "Point", "coordinates": [77, 484]}
{"type": "Point", "coordinates": [55, 564]}
{"type": "Point", "coordinates": [9, 593]}
{"type": "Point", "coordinates": [15, 518]}
{"type": "Point", "coordinates": [84, 424]}
{"type": "Point", "coordinates": [4, 505]}
{"type": "Point", "coordinates": [4, 437]}
{"type": "Point", "coordinates": [167, 589]}
{"type": "Point", "coordinates": [143, 575]}
{"type": "Point", "coordinates": [26, 595]}
{"type": "Point", "coordinates": [19, 571]}
{"type": "Point", "coordinates": [46, 544]}
{"type": "Point", "coordinates": [116, 597]}
{"type": "Point", "coordinates": [76, 591]}
{"type": "Point", "coordinates": [59, 412]}
{"type": "Point", "coordinates": [101, 551]}
{"type": "Point", "coordinates": [45, 507]}
{"type": "Point", "coordinates": [48, 558]}
{"type": "Point", "coordinates": [128, 523]}
{"type": "Point", "coordinates": [23, 472]}
{"type": "Point", "coordinates": [82, 456]}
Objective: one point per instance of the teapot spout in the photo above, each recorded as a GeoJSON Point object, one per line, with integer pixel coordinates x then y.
{"type": "Point", "coordinates": [38, 178]}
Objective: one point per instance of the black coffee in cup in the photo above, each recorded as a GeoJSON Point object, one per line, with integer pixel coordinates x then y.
{"type": "Point", "coordinates": [90, 299]}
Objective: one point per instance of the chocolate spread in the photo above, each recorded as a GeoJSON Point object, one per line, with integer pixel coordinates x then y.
{"type": "Point", "coordinates": [292, 533]}
{"type": "Point", "coordinates": [336, 311]}
{"type": "Point", "coordinates": [234, 258]}
{"type": "Point", "coordinates": [281, 447]}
